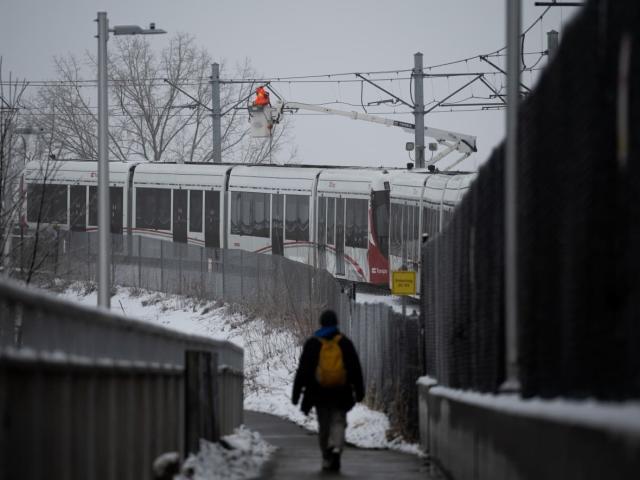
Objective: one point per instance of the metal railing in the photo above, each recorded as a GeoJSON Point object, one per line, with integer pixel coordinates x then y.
{"type": "Point", "coordinates": [89, 394]}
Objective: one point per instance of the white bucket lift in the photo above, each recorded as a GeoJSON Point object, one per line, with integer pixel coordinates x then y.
{"type": "Point", "coordinates": [261, 120]}
{"type": "Point", "coordinates": [263, 116]}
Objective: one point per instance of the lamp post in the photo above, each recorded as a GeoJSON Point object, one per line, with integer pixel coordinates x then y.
{"type": "Point", "coordinates": [104, 227]}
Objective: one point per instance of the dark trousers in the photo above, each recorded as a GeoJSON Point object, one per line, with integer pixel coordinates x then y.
{"type": "Point", "coordinates": [332, 424]}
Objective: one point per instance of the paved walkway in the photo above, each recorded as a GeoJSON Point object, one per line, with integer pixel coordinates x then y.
{"type": "Point", "coordinates": [298, 455]}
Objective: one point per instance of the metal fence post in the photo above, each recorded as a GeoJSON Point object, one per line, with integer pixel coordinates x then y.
{"type": "Point", "coordinates": [201, 370]}
{"type": "Point", "coordinates": [202, 284]}
{"type": "Point", "coordinates": [224, 282]}
{"type": "Point", "coordinates": [180, 245]}
{"type": "Point", "coordinates": [139, 262]}
{"type": "Point", "coordinates": [88, 237]}
{"type": "Point", "coordinates": [241, 274]}
{"type": "Point", "coordinates": [68, 253]}
{"type": "Point", "coordinates": [113, 266]}
{"type": "Point", "coordinates": [161, 266]}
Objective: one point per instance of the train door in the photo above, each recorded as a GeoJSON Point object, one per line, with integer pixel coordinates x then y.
{"type": "Point", "coordinates": [212, 219]}
{"type": "Point", "coordinates": [340, 236]}
{"type": "Point", "coordinates": [180, 216]}
{"type": "Point", "coordinates": [78, 208]}
{"type": "Point", "coordinates": [117, 209]}
{"type": "Point", "coordinates": [277, 225]}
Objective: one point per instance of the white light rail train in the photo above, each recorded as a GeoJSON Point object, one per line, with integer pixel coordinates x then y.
{"type": "Point", "coordinates": [357, 223]}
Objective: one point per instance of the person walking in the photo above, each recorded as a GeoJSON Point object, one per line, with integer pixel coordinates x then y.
{"type": "Point", "coordinates": [329, 377]}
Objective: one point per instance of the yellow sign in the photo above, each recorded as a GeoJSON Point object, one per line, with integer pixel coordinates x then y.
{"type": "Point", "coordinates": [403, 283]}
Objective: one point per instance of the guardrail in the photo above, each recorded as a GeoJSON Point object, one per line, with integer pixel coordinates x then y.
{"type": "Point", "coordinates": [85, 393]}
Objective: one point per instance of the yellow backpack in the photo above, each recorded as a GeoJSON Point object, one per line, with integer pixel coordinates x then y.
{"type": "Point", "coordinates": [330, 371]}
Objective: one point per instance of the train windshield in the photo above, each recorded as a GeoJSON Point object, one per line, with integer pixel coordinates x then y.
{"type": "Point", "coordinates": [380, 230]}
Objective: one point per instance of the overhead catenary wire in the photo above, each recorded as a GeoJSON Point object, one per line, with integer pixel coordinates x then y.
{"type": "Point", "coordinates": [159, 81]}
{"type": "Point", "coordinates": [398, 75]}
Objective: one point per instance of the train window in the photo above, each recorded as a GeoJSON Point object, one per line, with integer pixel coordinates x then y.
{"type": "Point", "coordinates": [409, 229]}
{"type": "Point", "coordinates": [396, 228]}
{"type": "Point", "coordinates": [153, 208]}
{"type": "Point", "coordinates": [47, 203]}
{"type": "Point", "coordinates": [380, 227]}
{"type": "Point", "coordinates": [331, 221]}
{"type": "Point", "coordinates": [416, 231]}
{"type": "Point", "coordinates": [262, 214]}
{"type": "Point", "coordinates": [322, 221]}
{"type": "Point", "coordinates": [116, 199]}
{"type": "Point", "coordinates": [236, 215]}
{"type": "Point", "coordinates": [250, 214]}
{"type": "Point", "coordinates": [431, 215]}
{"type": "Point", "coordinates": [246, 213]}
{"type": "Point", "coordinates": [93, 206]}
{"type": "Point", "coordinates": [447, 215]}
{"type": "Point", "coordinates": [212, 219]}
{"type": "Point", "coordinates": [297, 217]}
{"type": "Point", "coordinates": [78, 208]}
{"type": "Point", "coordinates": [407, 222]}
{"type": "Point", "coordinates": [425, 221]}
{"type": "Point", "coordinates": [357, 224]}
{"type": "Point", "coordinates": [406, 229]}
{"type": "Point", "coordinates": [195, 211]}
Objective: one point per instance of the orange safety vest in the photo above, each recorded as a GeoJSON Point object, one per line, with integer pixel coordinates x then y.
{"type": "Point", "coordinates": [262, 97]}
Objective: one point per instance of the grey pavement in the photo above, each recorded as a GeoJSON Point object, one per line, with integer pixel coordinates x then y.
{"type": "Point", "coordinates": [298, 455]}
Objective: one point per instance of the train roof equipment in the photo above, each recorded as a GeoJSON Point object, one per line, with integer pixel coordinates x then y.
{"type": "Point", "coordinates": [263, 116]}
{"type": "Point", "coordinates": [204, 175]}
{"type": "Point", "coordinates": [268, 178]}
{"type": "Point", "coordinates": [75, 172]}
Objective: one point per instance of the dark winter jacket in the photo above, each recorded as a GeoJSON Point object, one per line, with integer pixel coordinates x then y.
{"type": "Point", "coordinates": [343, 397]}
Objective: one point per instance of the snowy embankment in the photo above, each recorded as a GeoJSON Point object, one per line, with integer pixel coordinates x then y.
{"type": "Point", "coordinates": [271, 356]}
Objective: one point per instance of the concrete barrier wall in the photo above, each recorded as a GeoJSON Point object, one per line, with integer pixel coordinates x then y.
{"type": "Point", "coordinates": [497, 437]}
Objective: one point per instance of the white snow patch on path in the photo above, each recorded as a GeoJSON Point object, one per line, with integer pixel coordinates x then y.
{"type": "Point", "coordinates": [239, 456]}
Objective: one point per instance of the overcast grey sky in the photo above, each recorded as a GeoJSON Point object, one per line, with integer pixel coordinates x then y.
{"type": "Point", "coordinates": [296, 37]}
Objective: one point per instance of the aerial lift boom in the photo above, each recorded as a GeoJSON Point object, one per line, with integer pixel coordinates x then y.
{"type": "Point", "coordinates": [263, 116]}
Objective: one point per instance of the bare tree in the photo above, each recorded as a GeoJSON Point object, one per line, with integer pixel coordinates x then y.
{"type": "Point", "coordinates": [31, 251]}
{"type": "Point", "coordinates": [152, 118]}
{"type": "Point", "coordinates": [67, 111]}
{"type": "Point", "coordinates": [11, 198]}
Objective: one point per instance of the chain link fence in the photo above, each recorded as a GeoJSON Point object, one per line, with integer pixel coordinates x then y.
{"type": "Point", "coordinates": [389, 348]}
{"type": "Point", "coordinates": [578, 232]}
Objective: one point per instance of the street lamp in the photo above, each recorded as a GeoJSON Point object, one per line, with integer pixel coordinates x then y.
{"type": "Point", "coordinates": [104, 227]}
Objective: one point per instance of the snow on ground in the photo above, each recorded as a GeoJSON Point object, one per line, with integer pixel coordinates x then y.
{"type": "Point", "coordinates": [271, 356]}
{"type": "Point", "coordinates": [238, 456]}
{"type": "Point", "coordinates": [393, 301]}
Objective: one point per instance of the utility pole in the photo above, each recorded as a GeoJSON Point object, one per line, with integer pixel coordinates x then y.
{"type": "Point", "coordinates": [512, 382]}
{"type": "Point", "coordinates": [216, 113]}
{"type": "Point", "coordinates": [104, 224]}
{"type": "Point", "coordinates": [418, 109]}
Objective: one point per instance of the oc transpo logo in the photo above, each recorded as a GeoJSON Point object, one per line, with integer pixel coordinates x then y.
{"type": "Point", "coordinates": [379, 271]}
